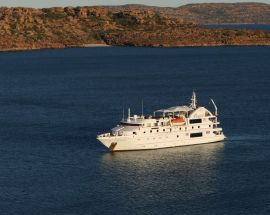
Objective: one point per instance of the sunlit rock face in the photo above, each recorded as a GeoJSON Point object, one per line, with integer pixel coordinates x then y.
{"type": "Point", "coordinates": [132, 25]}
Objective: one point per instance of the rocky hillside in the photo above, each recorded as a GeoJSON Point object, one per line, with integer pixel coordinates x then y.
{"type": "Point", "coordinates": [25, 28]}
{"type": "Point", "coordinates": [247, 13]}
{"type": "Point", "coordinates": [212, 13]}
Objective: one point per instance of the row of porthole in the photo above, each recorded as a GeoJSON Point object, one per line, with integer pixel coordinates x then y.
{"type": "Point", "coordinates": [156, 138]}
{"type": "Point", "coordinates": [187, 134]}
{"type": "Point", "coordinates": [193, 127]}
{"type": "Point", "coordinates": [200, 126]}
{"type": "Point", "coordinates": [151, 131]}
{"type": "Point", "coordinates": [170, 130]}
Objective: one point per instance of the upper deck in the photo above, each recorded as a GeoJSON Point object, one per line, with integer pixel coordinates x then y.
{"type": "Point", "coordinates": [170, 117]}
{"type": "Point", "coordinates": [178, 117]}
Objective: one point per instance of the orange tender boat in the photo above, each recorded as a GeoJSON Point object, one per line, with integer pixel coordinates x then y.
{"type": "Point", "coordinates": [178, 121]}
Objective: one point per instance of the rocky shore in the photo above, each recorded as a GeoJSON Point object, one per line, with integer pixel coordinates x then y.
{"type": "Point", "coordinates": [31, 29]}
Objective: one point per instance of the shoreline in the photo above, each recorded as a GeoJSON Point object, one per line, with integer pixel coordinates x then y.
{"type": "Point", "coordinates": [53, 47]}
{"type": "Point", "coordinates": [111, 46]}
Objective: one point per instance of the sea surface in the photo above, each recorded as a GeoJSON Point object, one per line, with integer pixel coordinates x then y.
{"type": "Point", "coordinates": [240, 26]}
{"type": "Point", "coordinates": [53, 103]}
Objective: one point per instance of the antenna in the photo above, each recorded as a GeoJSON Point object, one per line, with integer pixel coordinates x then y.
{"type": "Point", "coordinates": [214, 104]}
{"type": "Point", "coordinates": [193, 100]}
{"type": "Point", "coordinates": [142, 107]}
{"type": "Point", "coordinates": [128, 119]}
{"type": "Point", "coordinates": [123, 117]}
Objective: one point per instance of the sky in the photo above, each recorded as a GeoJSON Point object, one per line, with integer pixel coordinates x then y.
{"type": "Point", "coordinates": [63, 3]}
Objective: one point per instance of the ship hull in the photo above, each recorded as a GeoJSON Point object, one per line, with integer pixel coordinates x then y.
{"type": "Point", "coordinates": [134, 144]}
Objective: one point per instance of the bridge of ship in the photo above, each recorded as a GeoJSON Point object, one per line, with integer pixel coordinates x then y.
{"type": "Point", "coordinates": [174, 111]}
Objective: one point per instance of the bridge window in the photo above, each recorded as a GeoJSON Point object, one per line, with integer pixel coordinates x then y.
{"type": "Point", "coordinates": [129, 124]}
{"type": "Point", "coordinates": [195, 121]}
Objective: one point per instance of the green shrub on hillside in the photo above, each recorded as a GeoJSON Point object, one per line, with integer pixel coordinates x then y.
{"type": "Point", "coordinates": [124, 19]}
{"type": "Point", "coordinates": [51, 15]}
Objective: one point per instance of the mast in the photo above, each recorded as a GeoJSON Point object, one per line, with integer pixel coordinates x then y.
{"type": "Point", "coordinates": [128, 119]}
{"type": "Point", "coordinates": [123, 117]}
{"type": "Point", "coordinates": [193, 100]}
{"type": "Point", "coordinates": [142, 107]}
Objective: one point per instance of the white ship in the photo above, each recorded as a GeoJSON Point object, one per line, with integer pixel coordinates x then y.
{"type": "Point", "coordinates": [172, 127]}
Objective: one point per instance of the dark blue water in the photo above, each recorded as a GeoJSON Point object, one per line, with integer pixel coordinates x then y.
{"type": "Point", "coordinates": [240, 26]}
{"type": "Point", "coordinates": [54, 102]}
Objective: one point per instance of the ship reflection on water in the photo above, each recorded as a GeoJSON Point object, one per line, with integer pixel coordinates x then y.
{"type": "Point", "coordinates": [173, 173]}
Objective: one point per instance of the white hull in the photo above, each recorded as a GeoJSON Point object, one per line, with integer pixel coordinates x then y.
{"type": "Point", "coordinates": [144, 143]}
{"type": "Point", "coordinates": [176, 126]}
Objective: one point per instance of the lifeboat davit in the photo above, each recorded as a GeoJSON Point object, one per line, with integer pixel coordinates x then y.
{"type": "Point", "coordinates": [178, 121]}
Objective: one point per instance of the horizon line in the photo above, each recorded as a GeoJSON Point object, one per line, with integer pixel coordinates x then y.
{"type": "Point", "coordinates": [131, 4]}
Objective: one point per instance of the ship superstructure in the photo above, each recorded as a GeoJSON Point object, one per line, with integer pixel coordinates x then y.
{"type": "Point", "coordinates": [175, 126]}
